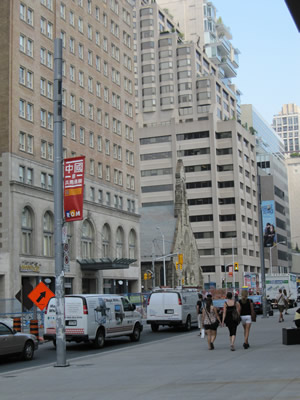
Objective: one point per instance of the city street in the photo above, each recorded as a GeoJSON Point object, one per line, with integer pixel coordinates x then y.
{"type": "Point", "coordinates": [174, 365]}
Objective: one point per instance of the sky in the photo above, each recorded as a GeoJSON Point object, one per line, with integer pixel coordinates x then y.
{"type": "Point", "coordinates": [269, 42]}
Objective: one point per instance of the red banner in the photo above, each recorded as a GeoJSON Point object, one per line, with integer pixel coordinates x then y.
{"type": "Point", "coordinates": [230, 270]}
{"type": "Point", "coordinates": [73, 188]}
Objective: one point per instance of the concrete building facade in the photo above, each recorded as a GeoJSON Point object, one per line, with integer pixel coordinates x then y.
{"type": "Point", "coordinates": [286, 124]}
{"type": "Point", "coordinates": [98, 122]}
{"type": "Point", "coordinates": [273, 173]}
{"type": "Point", "coordinates": [185, 110]}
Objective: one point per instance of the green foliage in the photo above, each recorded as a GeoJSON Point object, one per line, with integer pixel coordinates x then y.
{"type": "Point", "coordinates": [292, 155]}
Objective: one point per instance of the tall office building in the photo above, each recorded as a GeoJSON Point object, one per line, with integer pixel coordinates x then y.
{"type": "Point", "coordinates": [274, 186]}
{"type": "Point", "coordinates": [286, 124]}
{"type": "Point", "coordinates": [185, 110]}
{"type": "Point", "coordinates": [98, 122]}
{"type": "Point", "coordinates": [293, 170]}
{"type": "Point", "coordinates": [199, 23]}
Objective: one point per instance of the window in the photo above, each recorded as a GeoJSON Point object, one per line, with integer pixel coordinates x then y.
{"type": "Point", "coordinates": [43, 149]}
{"type": "Point", "coordinates": [92, 167]}
{"type": "Point", "coordinates": [72, 45]}
{"type": "Point", "coordinates": [48, 232]}
{"type": "Point", "coordinates": [100, 170]}
{"type": "Point", "coordinates": [91, 142]}
{"type": "Point", "coordinates": [99, 143]}
{"type": "Point", "coordinates": [106, 233]}
{"type": "Point", "coordinates": [29, 79]}
{"type": "Point", "coordinates": [82, 135]}
{"type": "Point", "coordinates": [87, 240]}
{"type": "Point", "coordinates": [80, 51]}
{"type": "Point", "coordinates": [22, 137]}
{"type": "Point", "coordinates": [62, 11]}
{"type": "Point", "coordinates": [81, 106]}
{"type": "Point", "coordinates": [119, 242]}
{"type": "Point", "coordinates": [50, 151]}
{"type": "Point", "coordinates": [22, 104]}
{"type": "Point", "coordinates": [73, 131]}
{"type": "Point", "coordinates": [21, 174]}
{"type": "Point", "coordinates": [80, 25]}
{"type": "Point", "coordinates": [26, 231]}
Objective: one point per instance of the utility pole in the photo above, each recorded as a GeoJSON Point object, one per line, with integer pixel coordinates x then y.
{"type": "Point", "coordinates": [58, 207]}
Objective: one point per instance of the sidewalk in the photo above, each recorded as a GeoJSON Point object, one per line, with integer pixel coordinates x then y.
{"type": "Point", "coordinates": [173, 369]}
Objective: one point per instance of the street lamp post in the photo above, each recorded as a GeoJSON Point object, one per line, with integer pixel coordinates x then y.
{"type": "Point", "coordinates": [164, 259]}
{"type": "Point", "coordinates": [276, 244]}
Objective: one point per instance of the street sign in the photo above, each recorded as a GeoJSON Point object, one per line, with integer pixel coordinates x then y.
{"type": "Point", "coordinates": [23, 293]}
{"type": "Point", "coordinates": [41, 295]}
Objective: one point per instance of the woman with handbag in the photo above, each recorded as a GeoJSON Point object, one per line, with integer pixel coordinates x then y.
{"type": "Point", "coordinates": [210, 321]}
{"type": "Point", "coordinates": [231, 317]}
{"type": "Point", "coordinates": [248, 315]}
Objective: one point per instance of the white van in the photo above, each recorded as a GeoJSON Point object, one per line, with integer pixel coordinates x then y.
{"type": "Point", "coordinates": [94, 318]}
{"type": "Point", "coordinates": [172, 307]}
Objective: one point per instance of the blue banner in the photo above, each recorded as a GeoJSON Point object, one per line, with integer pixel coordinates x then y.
{"type": "Point", "coordinates": [269, 222]}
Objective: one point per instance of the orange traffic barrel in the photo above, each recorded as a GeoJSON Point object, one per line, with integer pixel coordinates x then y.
{"type": "Point", "coordinates": [34, 327]}
{"type": "Point", "coordinates": [17, 324]}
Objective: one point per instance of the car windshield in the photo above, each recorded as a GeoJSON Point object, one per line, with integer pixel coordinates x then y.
{"type": "Point", "coordinates": [255, 298]}
{"type": "Point", "coordinates": [219, 302]}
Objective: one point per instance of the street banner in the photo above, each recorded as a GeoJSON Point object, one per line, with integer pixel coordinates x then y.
{"type": "Point", "coordinates": [230, 270]}
{"type": "Point", "coordinates": [73, 188]}
{"type": "Point", "coordinates": [269, 222]}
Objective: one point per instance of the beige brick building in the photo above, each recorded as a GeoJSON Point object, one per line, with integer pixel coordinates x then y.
{"type": "Point", "coordinates": [98, 122]}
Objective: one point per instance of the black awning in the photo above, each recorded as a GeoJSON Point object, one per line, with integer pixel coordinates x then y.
{"type": "Point", "coordinates": [91, 264]}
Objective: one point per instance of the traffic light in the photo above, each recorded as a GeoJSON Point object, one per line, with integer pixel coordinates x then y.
{"type": "Point", "coordinates": [149, 275]}
{"type": "Point", "coordinates": [180, 259]}
{"type": "Point", "coordinates": [145, 276]}
{"type": "Point", "coordinates": [176, 266]}
{"type": "Point", "coordinates": [236, 266]}
{"type": "Point", "coordinates": [182, 280]}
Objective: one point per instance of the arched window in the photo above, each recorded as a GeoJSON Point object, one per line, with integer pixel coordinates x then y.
{"type": "Point", "coordinates": [87, 240]}
{"type": "Point", "coordinates": [26, 238]}
{"type": "Point", "coordinates": [68, 227]}
{"type": "Point", "coordinates": [119, 242]}
{"type": "Point", "coordinates": [48, 232]}
{"type": "Point", "coordinates": [132, 244]}
{"type": "Point", "coordinates": [106, 241]}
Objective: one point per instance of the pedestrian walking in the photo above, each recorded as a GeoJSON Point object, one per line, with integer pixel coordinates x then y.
{"type": "Point", "coordinates": [246, 313]}
{"type": "Point", "coordinates": [199, 315]}
{"type": "Point", "coordinates": [210, 321]}
{"type": "Point", "coordinates": [280, 305]}
{"type": "Point", "coordinates": [286, 301]}
{"type": "Point", "coordinates": [231, 317]}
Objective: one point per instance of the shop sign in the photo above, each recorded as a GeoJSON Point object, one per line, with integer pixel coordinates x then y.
{"type": "Point", "coordinates": [29, 266]}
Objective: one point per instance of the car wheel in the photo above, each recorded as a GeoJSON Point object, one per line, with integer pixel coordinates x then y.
{"type": "Point", "coordinates": [154, 327]}
{"type": "Point", "coordinates": [99, 339]}
{"type": "Point", "coordinates": [136, 334]}
{"type": "Point", "coordinates": [188, 324]}
{"type": "Point", "coordinates": [28, 351]}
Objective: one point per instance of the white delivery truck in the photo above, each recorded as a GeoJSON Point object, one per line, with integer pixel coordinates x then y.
{"type": "Point", "coordinates": [94, 318]}
{"type": "Point", "coordinates": [172, 307]}
{"type": "Point", "coordinates": [281, 281]}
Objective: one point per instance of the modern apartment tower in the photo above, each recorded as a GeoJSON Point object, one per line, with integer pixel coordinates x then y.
{"type": "Point", "coordinates": [98, 122]}
{"type": "Point", "coordinates": [286, 124]}
{"type": "Point", "coordinates": [185, 110]}
{"type": "Point", "coordinates": [274, 186]}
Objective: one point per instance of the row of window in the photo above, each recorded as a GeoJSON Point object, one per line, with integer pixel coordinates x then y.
{"type": "Point", "coordinates": [89, 249]}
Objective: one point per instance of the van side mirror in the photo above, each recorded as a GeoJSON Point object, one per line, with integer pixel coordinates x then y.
{"type": "Point", "coordinates": [133, 307]}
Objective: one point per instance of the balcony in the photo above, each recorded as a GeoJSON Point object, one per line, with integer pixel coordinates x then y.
{"type": "Point", "coordinates": [228, 68]}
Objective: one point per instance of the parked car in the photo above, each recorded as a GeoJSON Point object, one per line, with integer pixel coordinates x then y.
{"type": "Point", "coordinates": [172, 307]}
{"type": "Point", "coordinates": [257, 303]}
{"type": "Point", "coordinates": [15, 343]}
{"type": "Point", "coordinates": [95, 318]}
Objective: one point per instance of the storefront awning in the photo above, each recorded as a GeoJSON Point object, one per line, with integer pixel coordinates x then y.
{"type": "Point", "coordinates": [91, 264]}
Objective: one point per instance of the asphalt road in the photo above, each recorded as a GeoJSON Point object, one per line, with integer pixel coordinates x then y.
{"type": "Point", "coordinates": [46, 354]}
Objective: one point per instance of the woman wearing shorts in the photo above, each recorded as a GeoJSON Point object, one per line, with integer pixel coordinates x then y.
{"type": "Point", "coordinates": [281, 305]}
{"type": "Point", "coordinates": [246, 307]}
{"type": "Point", "coordinates": [209, 318]}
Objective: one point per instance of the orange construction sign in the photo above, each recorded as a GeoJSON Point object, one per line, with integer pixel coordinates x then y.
{"type": "Point", "coordinates": [41, 295]}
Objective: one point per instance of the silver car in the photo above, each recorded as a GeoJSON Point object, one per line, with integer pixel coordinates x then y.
{"type": "Point", "coordinates": [15, 343]}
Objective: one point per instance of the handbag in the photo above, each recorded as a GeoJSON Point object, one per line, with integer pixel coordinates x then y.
{"type": "Point", "coordinates": [213, 325]}
{"type": "Point", "coordinates": [253, 313]}
{"type": "Point", "coordinates": [236, 316]}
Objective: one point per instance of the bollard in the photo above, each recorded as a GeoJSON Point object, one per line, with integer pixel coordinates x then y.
{"type": "Point", "coordinates": [17, 324]}
{"type": "Point", "coordinates": [34, 327]}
